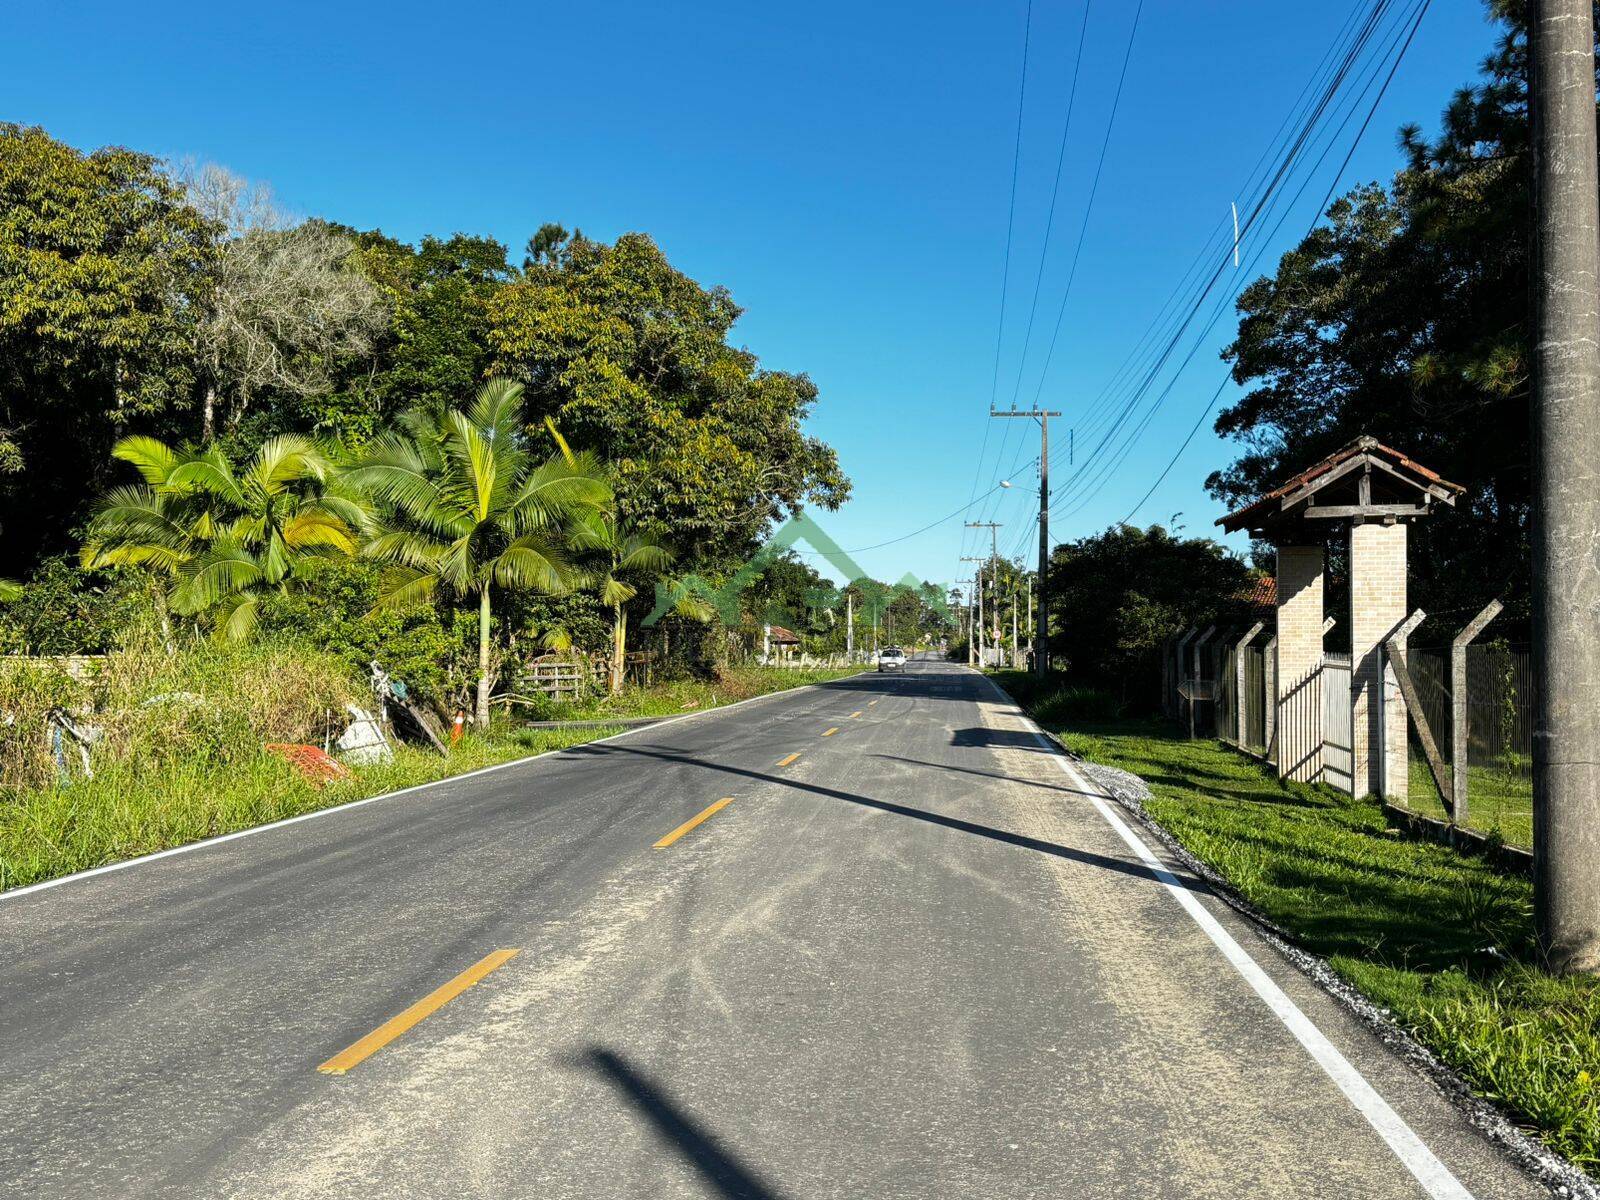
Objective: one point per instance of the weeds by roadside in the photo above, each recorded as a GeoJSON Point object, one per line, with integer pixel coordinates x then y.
{"type": "Point", "coordinates": [190, 764]}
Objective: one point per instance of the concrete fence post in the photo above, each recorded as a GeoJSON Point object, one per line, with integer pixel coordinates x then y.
{"type": "Point", "coordinates": [1238, 681]}
{"type": "Point", "coordinates": [1177, 672]}
{"type": "Point", "coordinates": [1393, 760]}
{"type": "Point", "coordinates": [1458, 706]}
{"type": "Point", "coordinates": [1269, 699]}
{"type": "Point", "coordinates": [1194, 681]}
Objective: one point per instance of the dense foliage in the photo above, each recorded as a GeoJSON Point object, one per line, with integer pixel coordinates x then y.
{"type": "Point", "coordinates": [1116, 595]}
{"type": "Point", "coordinates": [292, 392]}
{"type": "Point", "coordinates": [1406, 316]}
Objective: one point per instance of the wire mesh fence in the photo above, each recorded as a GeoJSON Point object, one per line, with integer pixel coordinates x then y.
{"type": "Point", "coordinates": [1499, 741]}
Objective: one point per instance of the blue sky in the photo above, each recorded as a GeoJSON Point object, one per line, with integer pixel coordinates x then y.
{"type": "Point", "coordinates": [845, 169]}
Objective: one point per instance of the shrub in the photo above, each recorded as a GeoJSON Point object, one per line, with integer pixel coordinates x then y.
{"type": "Point", "coordinates": [202, 703]}
{"type": "Point", "coordinates": [1078, 704]}
{"type": "Point", "coordinates": [334, 611]}
{"type": "Point", "coordinates": [64, 609]}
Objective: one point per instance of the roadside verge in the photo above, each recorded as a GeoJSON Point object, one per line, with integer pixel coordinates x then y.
{"type": "Point", "coordinates": [51, 838]}
{"type": "Point", "coordinates": [1421, 943]}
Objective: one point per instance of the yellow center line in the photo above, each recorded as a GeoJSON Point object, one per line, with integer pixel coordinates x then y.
{"type": "Point", "coordinates": [692, 822]}
{"type": "Point", "coordinates": [380, 1037]}
{"type": "Point", "coordinates": [830, 732]}
{"type": "Point", "coordinates": [784, 762]}
{"type": "Point", "coordinates": [857, 713]}
{"type": "Point", "coordinates": [870, 703]}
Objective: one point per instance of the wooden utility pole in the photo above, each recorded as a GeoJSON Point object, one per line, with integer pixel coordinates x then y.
{"type": "Point", "coordinates": [1041, 663]}
{"type": "Point", "coordinates": [1566, 492]}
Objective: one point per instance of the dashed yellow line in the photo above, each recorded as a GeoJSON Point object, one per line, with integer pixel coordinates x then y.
{"type": "Point", "coordinates": [830, 732]}
{"type": "Point", "coordinates": [870, 703]}
{"type": "Point", "coordinates": [692, 822]}
{"type": "Point", "coordinates": [784, 762]}
{"type": "Point", "coordinates": [380, 1037]}
{"type": "Point", "coordinates": [855, 714]}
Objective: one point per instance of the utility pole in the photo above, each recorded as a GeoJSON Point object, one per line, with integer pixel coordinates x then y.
{"type": "Point", "coordinates": [849, 626]}
{"type": "Point", "coordinates": [1041, 663]}
{"type": "Point", "coordinates": [1013, 629]}
{"type": "Point", "coordinates": [976, 641]}
{"type": "Point", "coordinates": [1566, 492]}
{"type": "Point", "coordinates": [1030, 619]}
{"type": "Point", "coordinates": [994, 574]}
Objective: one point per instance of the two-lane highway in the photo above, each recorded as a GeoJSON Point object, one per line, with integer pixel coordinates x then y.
{"type": "Point", "coordinates": [863, 939]}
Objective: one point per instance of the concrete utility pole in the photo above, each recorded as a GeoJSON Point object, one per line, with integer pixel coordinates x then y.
{"type": "Point", "coordinates": [1030, 621]}
{"type": "Point", "coordinates": [994, 574]}
{"type": "Point", "coordinates": [1041, 664]}
{"type": "Point", "coordinates": [976, 641]}
{"type": "Point", "coordinates": [1566, 494]}
{"type": "Point", "coordinates": [850, 626]}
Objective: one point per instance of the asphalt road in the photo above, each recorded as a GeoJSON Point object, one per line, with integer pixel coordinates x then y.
{"type": "Point", "coordinates": [917, 960]}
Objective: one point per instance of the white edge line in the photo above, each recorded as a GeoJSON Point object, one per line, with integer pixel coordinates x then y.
{"type": "Point", "coordinates": [124, 864]}
{"type": "Point", "coordinates": [1436, 1178]}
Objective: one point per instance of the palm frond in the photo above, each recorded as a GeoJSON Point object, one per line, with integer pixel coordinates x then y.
{"type": "Point", "coordinates": [151, 457]}
{"type": "Point", "coordinates": [403, 587]}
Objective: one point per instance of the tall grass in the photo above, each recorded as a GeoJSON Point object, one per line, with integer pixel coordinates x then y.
{"type": "Point", "coordinates": [181, 754]}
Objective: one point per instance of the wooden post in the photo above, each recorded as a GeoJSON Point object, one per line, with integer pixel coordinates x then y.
{"type": "Point", "coordinates": [1238, 681]}
{"type": "Point", "coordinates": [1461, 794]}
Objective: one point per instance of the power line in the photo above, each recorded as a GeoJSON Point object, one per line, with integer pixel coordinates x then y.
{"type": "Point", "coordinates": [1416, 23]}
{"type": "Point", "coordinates": [1011, 218]}
{"type": "Point", "coordinates": [1096, 468]}
{"type": "Point", "coordinates": [1109, 466]}
{"type": "Point", "coordinates": [1088, 208]}
{"type": "Point", "coordinates": [1055, 192]}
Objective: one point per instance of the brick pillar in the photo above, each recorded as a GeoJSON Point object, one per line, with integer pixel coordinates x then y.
{"type": "Point", "coordinates": [1378, 713]}
{"type": "Point", "coordinates": [1299, 662]}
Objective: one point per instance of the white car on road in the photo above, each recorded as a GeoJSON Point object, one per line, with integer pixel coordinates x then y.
{"type": "Point", "coordinates": [891, 658]}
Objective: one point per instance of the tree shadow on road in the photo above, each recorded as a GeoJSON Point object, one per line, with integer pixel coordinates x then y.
{"type": "Point", "coordinates": [713, 1161]}
{"type": "Point", "coordinates": [1088, 857]}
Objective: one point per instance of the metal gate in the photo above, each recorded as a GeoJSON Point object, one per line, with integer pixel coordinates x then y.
{"type": "Point", "coordinates": [1338, 742]}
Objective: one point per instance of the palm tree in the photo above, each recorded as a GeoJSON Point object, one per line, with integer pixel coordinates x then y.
{"type": "Point", "coordinates": [224, 538]}
{"type": "Point", "coordinates": [469, 508]}
{"type": "Point", "coordinates": [619, 551]}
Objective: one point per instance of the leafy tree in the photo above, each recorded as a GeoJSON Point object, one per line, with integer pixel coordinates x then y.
{"type": "Point", "coordinates": [104, 270]}
{"type": "Point", "coordinates": [1115, 596]}
{"type": "Point", "coordinates": [631, 357]}
{"type": "Point", "coordinates": [435, 349]}
{"type": "Point", "coordinates": [470, 508]}
{"type": "Point", "coordinates": [620, 553]}
{"type": "Point", "coordinates": [1406, 316]}
{"type": "Point", "coordinates": [335, 607]}
{"type": "Point", "coordinates": [225, 537]}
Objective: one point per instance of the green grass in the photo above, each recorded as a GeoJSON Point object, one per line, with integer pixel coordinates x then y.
{"type": "Point", "coordinates": [1499, 801]}
{"type": "Point", "coordinates": [1411, 924]}
{"type": "Point", "coordinates": [140, 802]}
